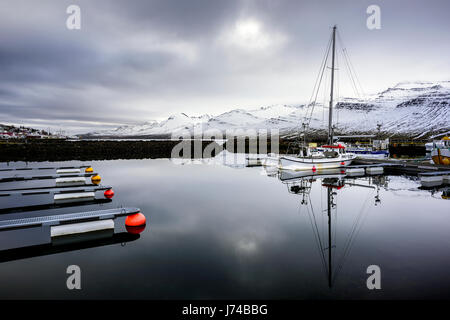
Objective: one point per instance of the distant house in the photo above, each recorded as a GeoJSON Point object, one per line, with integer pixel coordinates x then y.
{"type": "Point", "coordinates": [33, 136]}
{"type": "Point", "coordinates": [6, 135]}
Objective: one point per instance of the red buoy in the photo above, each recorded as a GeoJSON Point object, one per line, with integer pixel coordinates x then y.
{"type": "Point", "coordinates": [342, 163]}
{"type": "Point", "coordinates": [342, 171]}
{"type": "Point", "coordinates": [314, 168]}
{"type": "Point", "coordinates": [135, 230]}
{"type": "Point", "coordinates": [109, 193]}
{"type": "Point", "coordinates": [135, 220]}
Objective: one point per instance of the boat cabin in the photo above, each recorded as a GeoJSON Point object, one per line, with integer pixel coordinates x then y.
{"type": "Point", "coordinates": [332, 151]}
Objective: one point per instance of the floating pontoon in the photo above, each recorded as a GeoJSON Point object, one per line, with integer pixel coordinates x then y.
{"type": "Point", "coordinates": [46, 229]}
{"type": "Point", "coordinates": [34, 198]}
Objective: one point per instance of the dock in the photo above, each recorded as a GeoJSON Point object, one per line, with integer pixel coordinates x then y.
{"type": "Point", "coordinates": [69, 169]}
{"type": "Point", "coordinates": [18, 233]}
{"type": "Point", "coordinates": [431, 175]}
{"type": "Point", "coordinates": [47, 176]}
{"type": "Point", "coordinates": [46, 210]}
{"type": "Point", "coordinates": [434, 179]}
{"type": "Point", "coordinates": [50, 197]}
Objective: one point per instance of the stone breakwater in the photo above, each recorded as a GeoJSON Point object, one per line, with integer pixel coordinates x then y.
{"type": "Point", "coordinates": [47, 150]}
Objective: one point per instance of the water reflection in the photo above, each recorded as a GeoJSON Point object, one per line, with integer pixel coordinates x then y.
{"type": "Point", "coordinates": [74, 243]}
{"type": "Point", "coordinates": [333, 180]}
{"type": "Point", "coordinates": [218, 232]}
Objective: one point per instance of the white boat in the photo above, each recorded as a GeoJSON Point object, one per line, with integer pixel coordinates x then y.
{"type": "Point", "coordinates": [271, 160]}
{"type": "Point", "coordinates": [332, 157]}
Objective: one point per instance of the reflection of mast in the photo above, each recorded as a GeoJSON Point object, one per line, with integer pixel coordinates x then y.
{"type": "Point", "coordinates": [330, 184]}
{"type": "Point", "coordinates": [329, 204]}
{"type": "Point", "coordinates": [335, 183]}
{"type": "Point", "coordinates": [301, 184]}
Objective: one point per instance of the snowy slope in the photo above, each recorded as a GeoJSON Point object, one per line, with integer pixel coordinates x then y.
{"type": "Point", "coordinates": [408, 108]}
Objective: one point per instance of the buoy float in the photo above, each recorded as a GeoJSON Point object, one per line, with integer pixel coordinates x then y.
{"type": "Point", "coordinates": [89, 169]}
{"type": "Point", "coordinates": [96, 179]}
{"type": "Point", "coordinates": [135, 220]}
{"type": "Point", "coordinates": [109, 193]}
{"type": "Point", "coordinates": [314, 168]}
{"type": "Point", "coordinates": [135, 230]}
{"type": "Point", "coordinates": [342, 171]}
{"type": "Point", "coordinates": [342, 163]}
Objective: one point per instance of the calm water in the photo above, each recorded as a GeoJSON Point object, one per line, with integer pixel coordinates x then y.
{"type": "Point", "coordinates": [215, 232]}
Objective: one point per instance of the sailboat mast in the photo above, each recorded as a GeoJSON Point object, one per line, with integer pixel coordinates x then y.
{"type": "Point", "coordinates": [330, 114]}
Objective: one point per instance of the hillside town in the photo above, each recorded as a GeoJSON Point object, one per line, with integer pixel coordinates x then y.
{"type": "Point", "coordinates": [21, 132]}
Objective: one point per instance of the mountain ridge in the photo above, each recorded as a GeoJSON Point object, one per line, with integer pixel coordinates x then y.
{"type": "Point", "coordinates": [408, 108]}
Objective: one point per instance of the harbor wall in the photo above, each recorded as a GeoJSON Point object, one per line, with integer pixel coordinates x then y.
{"type": "Point", "coordinates": [47, 150]}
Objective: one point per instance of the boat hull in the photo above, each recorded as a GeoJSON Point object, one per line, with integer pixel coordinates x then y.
{"type": "Point", "coordinates": [441, 156]}
{"type": "Point", "coordinates": [270, 161]}
{"type": "Point", "coordinates": [296, 163]}
{"type": "Point", "coordinates": [368, 154]}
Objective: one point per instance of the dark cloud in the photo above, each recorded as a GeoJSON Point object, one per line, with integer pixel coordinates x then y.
{"type": "Point", "coordinates": [137, 60]}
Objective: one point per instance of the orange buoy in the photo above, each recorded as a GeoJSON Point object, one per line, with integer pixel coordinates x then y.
{"type": "Point", "coordinates": [89, 169]}
{"type": "Point", "coordinates": [96, 179]}
{"type": "Point", "coordinates": [109, 193]}
{"type": "Point", "coordinates": [135, 220]}
{"type": "Point", "coordinates": [135, 230]}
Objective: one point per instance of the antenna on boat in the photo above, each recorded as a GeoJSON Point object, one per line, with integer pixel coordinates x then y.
{"type": "Point", "coordinates": [330, 114]}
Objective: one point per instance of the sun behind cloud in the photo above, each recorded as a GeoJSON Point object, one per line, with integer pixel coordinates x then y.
{"type": "Point", "coordinates": [250, 34]}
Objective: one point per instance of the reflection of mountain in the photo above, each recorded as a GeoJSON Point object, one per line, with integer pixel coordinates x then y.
{"type": "Point", "coordinates": [412, 108]}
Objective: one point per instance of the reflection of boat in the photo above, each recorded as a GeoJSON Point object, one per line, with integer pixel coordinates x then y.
{"type": "Point", "coordinates": [446, 194]}
{"type": "Point", "coordinates": [300, 183]}
{"type": "Point", "coordinates": [288, 175]}
{"type": "Point", "coordinates": [440, 151]}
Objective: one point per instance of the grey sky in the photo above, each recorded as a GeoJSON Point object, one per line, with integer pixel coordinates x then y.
{"type": "Point", "coordinates": [134, 61]}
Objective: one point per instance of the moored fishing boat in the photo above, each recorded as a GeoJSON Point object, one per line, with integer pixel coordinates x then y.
{"type": "Point", "coordinates": [367, 153]}
{"type": "Point", "coordinates": [332, 157]}
{"type": "Point", "coordinates": [440, 152]}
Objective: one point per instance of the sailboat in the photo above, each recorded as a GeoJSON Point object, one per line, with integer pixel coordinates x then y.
{"type": "Point", "coordinates": [333, 155]}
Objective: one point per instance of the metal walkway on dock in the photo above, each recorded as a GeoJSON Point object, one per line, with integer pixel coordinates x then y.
{"type": "Point", "coordinates": [67, 218]}
{"type": "Point", "coordinates": [24, 199]}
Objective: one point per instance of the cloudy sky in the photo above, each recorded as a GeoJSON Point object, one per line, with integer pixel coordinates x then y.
{"type": "Point", "coordinates": [133, 61]}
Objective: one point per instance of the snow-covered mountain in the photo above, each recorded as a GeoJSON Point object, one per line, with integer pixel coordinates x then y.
{"type": "Point", "coordinates": [408, 108]}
